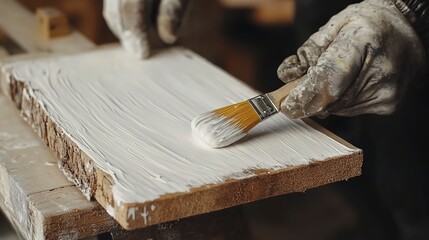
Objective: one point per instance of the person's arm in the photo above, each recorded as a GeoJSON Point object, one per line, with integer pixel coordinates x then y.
{"type": "Point", "coordinates": [360, 62]}
{"type": "Point", "coordinates": [132, 20]}
{"type": "Point", "coordinates": [417, 12]}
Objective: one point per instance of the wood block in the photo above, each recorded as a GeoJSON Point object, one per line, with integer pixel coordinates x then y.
{"type": "Point", "coordinates": [52, 23]}
{"type": "Point", "coordinates": [21, 26]}
{"type": "Point", "coordinates": [120, 128]}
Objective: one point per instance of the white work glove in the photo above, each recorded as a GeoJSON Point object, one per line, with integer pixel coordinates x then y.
{"type": "Point", "coordinates": [132, 20]}
{"type": "Point", "coordinates": [360, 62]}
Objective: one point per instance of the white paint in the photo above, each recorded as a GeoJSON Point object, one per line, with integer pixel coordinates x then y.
{"type": "Point", "coordinates": [89, 167]}
{"type": "Point", "coordinates": [20, 144]}
{"type": "Point", "coordinates": [216, 131]}
{"type": "Point", "coordinates": [132, 213]}
{"type": "Point", "coordinates": [145, 215]}
{"type": "Point", "coordinates": [83, 187]}
{"type": "Point", "coordinates": [61, 206]}
{"type": "Point", "coordinates": [152, 207]}
{"type": "Point", "coordinates": [132, 118]}
{"type": "Point", "coordinates": [110, 210]}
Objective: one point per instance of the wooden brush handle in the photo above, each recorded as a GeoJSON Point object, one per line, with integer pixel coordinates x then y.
{"type": "Point", "coordinates": [280, 94]}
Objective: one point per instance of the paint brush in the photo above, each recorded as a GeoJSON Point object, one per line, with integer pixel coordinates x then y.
{"type": "Point", "coordinates": [226, 125]}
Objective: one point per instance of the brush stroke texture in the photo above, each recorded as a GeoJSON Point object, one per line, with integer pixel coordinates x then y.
{"type": "Point", "coordinates": [132, 118]}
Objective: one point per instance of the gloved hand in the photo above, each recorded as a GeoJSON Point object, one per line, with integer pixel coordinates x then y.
{"type": "Point", "coordinates": [359, 62]}
{"type": "Point", "coordinates": [131, 22]}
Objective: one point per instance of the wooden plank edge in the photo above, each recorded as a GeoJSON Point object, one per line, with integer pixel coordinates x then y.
{"type": "Point", "coordinates": [332, 135]}
{"type": "Point", "coordinates": [19, 223]}
{"type": "Point", "coordinates": [27, 211]}
{"type": "Point", "coordinates": [77, 223]}
{"type": "Point", "coordinates": [93, 182]}
{"type": "Point", "coordinates": [30, 223]}
{"type": "Point", "coordinates": [234, 192]}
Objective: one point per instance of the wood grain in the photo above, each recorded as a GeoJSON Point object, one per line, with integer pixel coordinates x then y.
{"type": "Point", "coordinates": [231, 192]}
{"type": "Point", "coordinates": [35, 196]}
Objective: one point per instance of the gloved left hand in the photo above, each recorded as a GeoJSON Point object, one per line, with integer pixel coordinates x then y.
{"type": "Point", "coordinates": [131, 21]}
{"type": "Point", "coordinates": [360, 62]}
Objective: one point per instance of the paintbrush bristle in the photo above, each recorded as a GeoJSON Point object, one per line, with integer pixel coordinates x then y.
{"type": "Point", "coordinates": [224, 126]}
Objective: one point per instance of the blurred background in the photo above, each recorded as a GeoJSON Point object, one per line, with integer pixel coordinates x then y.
{"type": "Point", "coordinates": [249, 39]}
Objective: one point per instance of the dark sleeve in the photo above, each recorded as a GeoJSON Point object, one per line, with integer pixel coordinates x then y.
{"type": "Point", "coordinates": [418, 13]}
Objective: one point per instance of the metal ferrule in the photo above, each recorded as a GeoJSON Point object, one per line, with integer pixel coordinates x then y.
{"type": "Point", "coordinates": [263, 106]}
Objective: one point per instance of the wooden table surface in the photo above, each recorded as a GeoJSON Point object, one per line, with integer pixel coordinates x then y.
{"type": "Point", "coordinates": [51, 207]}
{"type": "Point", "coordinates": [35, 196]}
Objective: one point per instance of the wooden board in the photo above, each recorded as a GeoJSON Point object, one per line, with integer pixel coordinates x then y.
{"type": "Point", "coordinates": [51, 207]}
{"type": "Point", "coordinates": [35, 196]}
{"type": "Point", "coordinates": [234, 188]}
{"type": "Point", "coordinates": [41, 203]}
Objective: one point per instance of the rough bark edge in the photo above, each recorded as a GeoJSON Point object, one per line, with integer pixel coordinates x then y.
{"type": "Point", "coordinates": [31, 221]}
{"type": "Point", "coordinates": [74, 163]}
{"type": "Point", "coordinates": [95, 183]}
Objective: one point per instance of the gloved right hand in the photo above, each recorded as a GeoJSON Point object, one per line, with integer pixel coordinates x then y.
{"type": "Point", "coordinates": [131, 22]}
{"type": "Point", "coordinates": [360, 62]}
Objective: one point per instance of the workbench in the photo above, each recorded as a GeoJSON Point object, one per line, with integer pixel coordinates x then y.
{"type": "Point", "coordinates": [37, 198]}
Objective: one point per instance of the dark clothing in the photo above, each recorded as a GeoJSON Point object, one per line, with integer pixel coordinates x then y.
{"type": "Point", "coordinates": [393, 191]}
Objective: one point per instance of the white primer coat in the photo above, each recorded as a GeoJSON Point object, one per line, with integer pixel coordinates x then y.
{"type": "Point", "coordinates": [216, 131]}
{"type": "Point", "coordinates": [132, 118]}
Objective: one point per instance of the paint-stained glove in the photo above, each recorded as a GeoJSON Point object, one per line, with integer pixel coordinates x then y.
{"type": "Point", "coordinates": [132, 20]}
{"type": "Point", "coordinates": [359, 62]}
